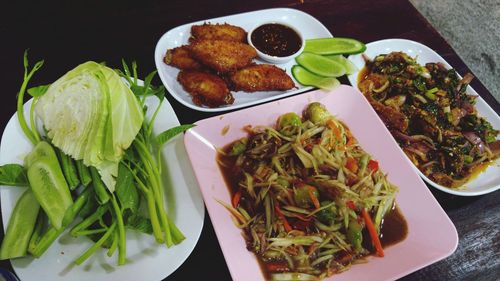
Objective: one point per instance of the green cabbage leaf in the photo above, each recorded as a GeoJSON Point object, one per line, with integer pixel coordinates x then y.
{"type": "Point", "coordinates": [91, 114]}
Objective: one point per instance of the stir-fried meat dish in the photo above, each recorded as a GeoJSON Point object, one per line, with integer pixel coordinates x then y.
{"type": "Point", "coordinates": [428, 111]}
{"type": "Point", "coordinates": [261, 77]}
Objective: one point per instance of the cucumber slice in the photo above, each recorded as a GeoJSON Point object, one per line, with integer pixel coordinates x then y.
{"type": "Point", "coordinates": [50, 189]}
{"type": "Point", "coordinates": [350, 68]}
{"type": "Point", "coordinates": [20, 227]}
{"type": "Point", "coordinates": [334, 46]}
{"type": "Point", "coordinates": [42, 150]}
{"type": "Point", "coordinates": [307, 78]}
{"type": "Point", "coordinates": [320, 65]}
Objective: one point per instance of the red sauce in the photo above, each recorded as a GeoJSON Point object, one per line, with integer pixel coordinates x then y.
{"type": "Point", "coordinates": [276, 40]}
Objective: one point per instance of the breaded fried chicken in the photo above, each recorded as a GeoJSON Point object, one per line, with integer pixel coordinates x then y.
{"type": "Point", "coordinates": [261, 77]}
{"type": "Point", "coordinates": [179, 57]}
{"type": "Point", "coordinates": [224, 31]}
{"type": "Point", "coordinates": [205, 88]}
{"type": "Point", "coordinates": [222, 56]}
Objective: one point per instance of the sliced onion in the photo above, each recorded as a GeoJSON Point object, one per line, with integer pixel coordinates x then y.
{"type": "Point", "coordinates": [420, 98]}
{"type": "Point", "coordinates": [415, 138]}
{"type": "Point", "coordinates": [466, 80]}
{"type": "Point", "coordinates": [475, 140]}
{"type": "Point", "coordinates": [422, 154]}
{"type": "Point", "coordinates": [382, 88]}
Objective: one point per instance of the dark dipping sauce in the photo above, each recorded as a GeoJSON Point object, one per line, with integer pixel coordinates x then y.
{"type": "Point", "coordinates": [276, 40]}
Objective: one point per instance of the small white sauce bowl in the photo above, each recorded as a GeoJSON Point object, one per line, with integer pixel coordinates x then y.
{"type": "Point", "coordinates": [276, 59]}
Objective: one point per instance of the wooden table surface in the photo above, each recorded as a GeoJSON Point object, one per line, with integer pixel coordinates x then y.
{"type": "Point", "coordinates": [66, 33]}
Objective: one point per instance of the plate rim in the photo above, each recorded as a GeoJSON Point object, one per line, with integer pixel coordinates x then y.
{"type": "Point", "coordinates": [159, 53]}
{"type": "Point", "coordinates": [353, 79]}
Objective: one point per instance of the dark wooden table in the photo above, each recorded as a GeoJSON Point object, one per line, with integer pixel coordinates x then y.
{"type": "Point", "coordinates": [66, 33]}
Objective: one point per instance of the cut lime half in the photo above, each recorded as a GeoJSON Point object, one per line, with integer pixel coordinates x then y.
{"type": "Point", "coordinates": [307, 78]}
{"type": "Point", "coordinates": [334, 46]}
{"type": "Point", "coordinates": [350, 68]}
{"type": "Point", "coordinates": [320, 65]}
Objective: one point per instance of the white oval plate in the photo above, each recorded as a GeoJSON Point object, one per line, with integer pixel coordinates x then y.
{"type": "Point", "coordinates": [308, 26]}
{"type": "Point", "coordinates": [487, 181]}
{"type": "Point", "coordinates": [146, 259]}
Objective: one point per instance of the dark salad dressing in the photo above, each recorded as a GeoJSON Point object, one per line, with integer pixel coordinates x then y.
{"type": "Point", "coordinates": [276, 40]}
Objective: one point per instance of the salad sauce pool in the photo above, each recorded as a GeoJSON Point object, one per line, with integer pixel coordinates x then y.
{"type": "Point", "coordinates": [276, 40]}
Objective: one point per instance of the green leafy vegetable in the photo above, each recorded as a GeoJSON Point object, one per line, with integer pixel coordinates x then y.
{"type": "Point", "coordinates": [91, 114]}
{"type": "Point", "coordinates": [172, 132]}
{"type": "Point", "coordinates": [96, 136]}
{"type": "Point", "coordinates": [140, 223]}
{"type": "Point", "coordinates": [13, 175]}
{"type": "Point", "coordinates": [126, 191]}
{"type": "Point", "coordinates": [38, 91]}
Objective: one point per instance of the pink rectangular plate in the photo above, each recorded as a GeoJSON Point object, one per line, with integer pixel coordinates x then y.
{"type": "Point", "coordinates": [432, 236]}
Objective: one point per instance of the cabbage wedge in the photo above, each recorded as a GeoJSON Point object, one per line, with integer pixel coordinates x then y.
{"type": "Point", "coordinates": [91, 114]}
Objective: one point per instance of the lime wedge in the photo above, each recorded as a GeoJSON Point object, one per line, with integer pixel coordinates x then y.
{"type": "Point", "coordinates": [334, 46]}
{"type": "Point", "coordinates": [350, 68]}
{"type": "Point", "coordinates": [307, 78]}
{"type": "Point", "coordinates": [320, 65]}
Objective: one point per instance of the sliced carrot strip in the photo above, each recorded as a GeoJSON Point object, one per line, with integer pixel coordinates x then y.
{"type": "Point", "coordinates": [236, 199]}
{"type": "Point", "coordinates": [373, 233]}
{"type": "Point", "coordinates": [352, 164]}
{"type": "Point", "coordinates": [314, 199]}
{"type": "Point", "coordinates": [287, 226]}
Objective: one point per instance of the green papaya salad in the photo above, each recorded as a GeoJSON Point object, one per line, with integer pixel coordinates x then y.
{"type": "Point", "coordinates": [309, 200]}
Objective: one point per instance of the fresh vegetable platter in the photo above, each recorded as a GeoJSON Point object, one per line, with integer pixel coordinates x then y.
{"type": "Point", "coordinates": [57, 252]}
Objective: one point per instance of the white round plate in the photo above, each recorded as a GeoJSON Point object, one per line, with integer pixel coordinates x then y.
{"type": "Point", "coordinates": [146, 259]}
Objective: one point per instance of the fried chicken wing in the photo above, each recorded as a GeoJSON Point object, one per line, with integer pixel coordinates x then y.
{"type": "Point", "coordinates": [222, 56]}
{"type": "Point", "coordinates": [205, 88]}
{"type": "Point", "coordinates": [224, 31]}
{"type": "Point", "coordinates": [261, 77]}
{"type": "Point", "coordinates": [179, 57]}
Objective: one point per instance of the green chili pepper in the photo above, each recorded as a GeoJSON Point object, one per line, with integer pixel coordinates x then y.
{"type": "Point", "coordinates": [21, 225]}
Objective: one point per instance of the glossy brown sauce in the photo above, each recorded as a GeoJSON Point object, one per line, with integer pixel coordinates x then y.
{"type": "Point", "coordinates": [394, 228]}
{"type": "Point", "coordinates": [276, 40]}
{"type": "Point", "coordinates": [363, 74]}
